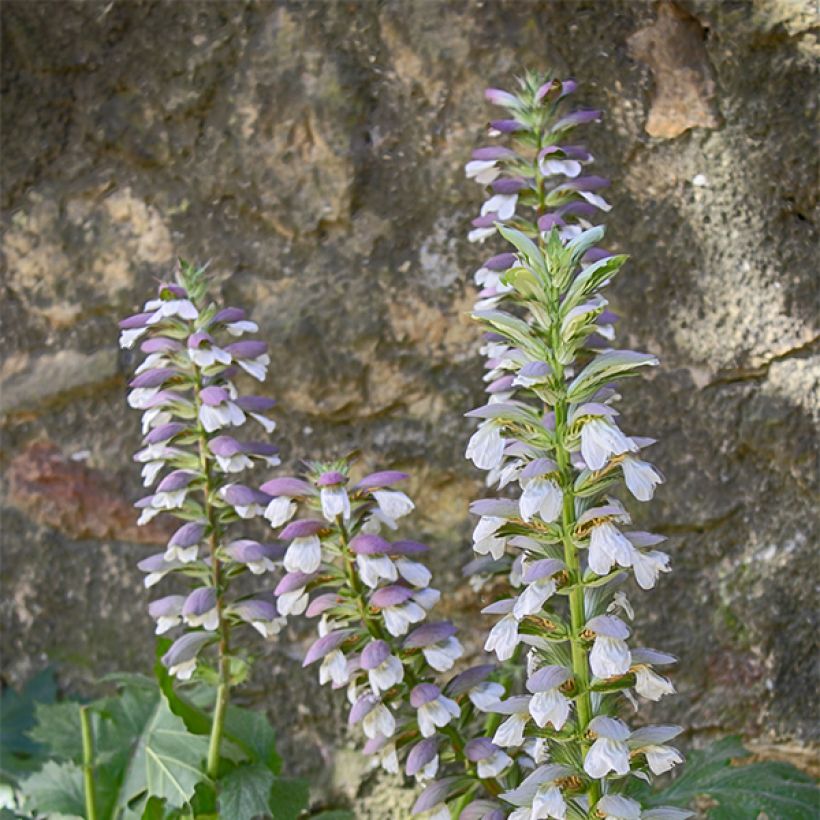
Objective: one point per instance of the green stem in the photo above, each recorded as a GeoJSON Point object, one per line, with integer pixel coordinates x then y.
{"type": "Point", "coordinates": [88, 763]}
{"type": "Point", "coordinates": [223, 629]}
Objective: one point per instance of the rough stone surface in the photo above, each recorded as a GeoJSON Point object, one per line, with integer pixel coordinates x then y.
{"type": "Point", "coordinates": [313, 152]}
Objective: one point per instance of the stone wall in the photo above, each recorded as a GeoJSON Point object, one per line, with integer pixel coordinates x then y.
{"type": "Point", "coordinates": [313, 152]}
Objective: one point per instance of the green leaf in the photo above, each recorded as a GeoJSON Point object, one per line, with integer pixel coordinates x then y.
{"type": "Point", "coordinates": [245, 792]}
{"type": "Point", "coordinates": [56, 790]}
{"type": "Point", "coordinates": [526, 246]}
{"type": "Point", "coordinates": [590, 278]}
{"type": "Point", "coordinates": [288, 797]}
{"type": "Point", "coordinates": [253, 733]}
{"type": "Point", "coordinates": [741, 792]}
{"type": "Point", "coordinates": [612, 364]}
{"type": "Point", "coordinates": [58, 729]}
{"type": "Point", "coordinates": [19, 752]}
{"type": "Point", "coordinates": [334, 814]}
{"type": "Point", "coordinates": [196, 720]}
{"type": "Point", "coordinates": [578, 246]}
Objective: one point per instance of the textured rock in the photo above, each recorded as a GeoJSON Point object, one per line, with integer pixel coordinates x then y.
{"type": "Point", "coordinates": [313, 153]}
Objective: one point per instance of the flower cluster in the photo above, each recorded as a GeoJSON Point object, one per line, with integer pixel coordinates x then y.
{"type": "Point", "coordinates": [372, 597]}
{"type": "Point", "coordinates": [551, 443]}
{"type": "Point", "coordinates": [191, 411]}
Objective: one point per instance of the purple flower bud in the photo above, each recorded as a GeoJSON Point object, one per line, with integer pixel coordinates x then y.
{"type": "Point", "coordinates": [436, 792]}
{"type": "Point", "coordinates": [549, 221]}
{"type": "Point", "coordinates": [546, 678]}
{"type": "Point", "coordinates": [509, 185]}
{"type": "Point", "coordinates": [408, 548]}
{"type": "Point", "coordinates": [169, 290]}
{"type": "Point", "coordinates": [254, 404]}
{"type": "Point", "coordinates": [483, 810]}
{"type": "Point", "coordinates": [246, 551]}
{"type": "Point", "coordinates": [135, 321]}
{"type": "Point", "coordinates": [493, 152]}
{"type": "Point", "coordinates": [501, 384]}
{"type": "Point", "coordinates": [500, 261]}
{"type": "Point", "coordinates": [545, 89]}
{"type": "Point", "coordinates": [200, 601]}
{"type": "Point", "coordinates": [196, 339]}
{"type": "Point", "coordinates": [249, 349]}
{"type": "Point", "coordinates": [187, 535]}
{"type": "Point", "coordinates": [393, 595]}
{"type": "Point", "coordinates": [579, 117]}
{"type": "Point", "coordinates": [331, 479]}
{"type": "Point", "coordinates": [165, 432]}
{"type": "Point", "coordinates": [325, 644]}
{"type": "Point", "coordinates": [534, 370]}
{"type": "Point", "coordinates": [480, 748]}
{"type": "Point", "coordinates": [367, 544]}
{"type": "Point", "coordinates": [175, 480]}
{"type": "Point", "coordinates": [538, 467]}
{"type": "Point", "coordinates": [225, 446]}
{"type": "Point", "coordinates": [501, 607]}
{"type": "Point", "coordinates": [166, 607]}
{"type": "Point", "coordinates": [497, 96]}
{"type": "Point", "coordinates": [578, 208]}
{"type": "Point", "coordinates": [238, 495]}
{"type": "Point", "coordinates": [375, 744]}
{"type": "Point", "coordinates": [385, 478]}
{"type": "Point", "coordinates": [375, 654]}
{"type": "Point", "coordinates": [256, 609]}
{"type": "Point", "coordinates": [186, 648]}
{"type": "Point", "coordinates": [160, 344]}
{"type": "Point", "coordinates": [362, 707]}
{"type": "Point", "coordinates": [591, 183]}
{"type": "Point", "coordinates": [321, 603]}
{"type": "Point", "coordinates": [287, 486]}
{"type": "Point", "coordinates": [155, 563]}
{"type": "Point", "coordinates": [166, 397]}
{"type": "Point", "coordinates": [542, 569]}
{"type": "Point", "coordinates": [609, 626]}
{"type": "Point", "coordinates": [469, 678]}
{"type": "Point", "coordinates": [507, 126]}
{"type": "Point", "coordinates": [428, 634]}
{"type": "Point", "coordinates": [596, 255]}
{"type": "Point", "coordinates": [301, 529]}
{"type": "Point", "coordinates": [293, 581]}
{"type": "Point", "coordinates": [486, 221]}
{"type": "Point", "coordinates": [495, 507]}
{"type": "Point", "coordinates": [423, 693]}
{"type": "Point", "coordinates": [214, 395]}
{"type": "Point", "coordinates": [421, 754]}
{"type": "Point", "coordinates": [228, 315]}
{"type": "Point", "coordinates": [154, 377]}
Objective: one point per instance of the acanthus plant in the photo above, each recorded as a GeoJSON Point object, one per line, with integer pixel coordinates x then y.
{"type": "Point", "coordinates": [191, 456]}
{"type": "Point", "coordinates": [550, 441]}
{"type": "Point", "coordinates": [373, 597]}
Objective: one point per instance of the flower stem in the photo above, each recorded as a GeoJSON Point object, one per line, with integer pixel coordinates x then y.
{"type": "Point", "coordinates": [88, 764]}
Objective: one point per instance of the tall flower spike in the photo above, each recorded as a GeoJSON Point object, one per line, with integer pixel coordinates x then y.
{"type": "Point", "coordinates": [551, 428]}
{"type": "Point", "coordinates": [186, 391]}
{"type": "Point", "coordinates": [373, 598]}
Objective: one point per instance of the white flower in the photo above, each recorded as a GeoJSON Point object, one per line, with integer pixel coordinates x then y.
{"type": "Point", "coordinates": [549, 707]}
{"type": "Point", "coordinates": [372, 568]}
{"type": "Point", "coordinates": [427, 598]}
{"type": "Point", "coordinates": [215, 417]}
{"type": "Point", "coordinates": [240, 327]}
{"type": "Point", "coordinates": [650, 684]}
{"type": "Point", "coordinates": [183, 670]}
{"type": "Point", "coordinates": [532, 598]}
{"type": "Point", "coordinates": [130, 335]}
{"type": "Point", "coordinates": [548, 802]}
{"type": "Point", "coordinates": [335, 502]}
{"type": "Point", "coordinates": [503, 638]}
{"type": "Point", "coordinates": [393, 504]}
{"type": "Point", "coordinates": [641, 477]}
{"type": "Point", "coordinates": [398, 619]}
{"type": "Point", "coordinates": [662, 758]}
{"type": "Point", "coordinates": [388, 759]}
{"type": "Point", "coordinates": [565, 167]}
{"type": "Point", "coordinates": [429, 770]}
{"type": "Point", "coordinates": [304, 555]}
{"type": "Point", "coordinates": [165, 309]}
{"type": "Point", "coordinates": [388, 673]}
{"type": "Point", "coordinates": [292, 603]}
{"type": "Point", "coordinates": [436, 713]}
{"type": "Point", "coordinates": [647, 566]}
{"type": "Point", "coordinates": [543, 496]}
{"type": "Point", "coordinates": [486, 446]}
{"type": "Point", "coordinates": [511, 731]}
{"type": "Point", "coordinates": [207, 355]}
{"type": "Point", "coordinates": [609, 657]}
{"type": "Point", "coordinates": [258, 367]}
{"type": "Point", "coordinates": [485, 539]}
{"type": "Point", "coordinates": [334, 668]}
{"type": "Point", "coordinates": [379, 721]}
{"type": "Point", "coordinates": [483, 171]}
{"type": "Point", "coordinates": [600, 439]}
{"type": "Point", "coordinates": [443, 655]}
{"type": "Point", "coordinates": [501, 204]}
{"type": "Point", "coordinates": [280, 510]}
{"type": "Point", "coordinates": [606, 755]}
{"type": "Point", "coordinates": [485, 695]}
{"type": "Point", "coordinates": [608, 546]}
{"type": "Point", "coordinates": [413, 572]}
{"type": "Point", "coordinates": [493, 765]}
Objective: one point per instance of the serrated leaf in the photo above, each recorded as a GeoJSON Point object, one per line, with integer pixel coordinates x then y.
{"type": "Point", "coordinates": [245, 792]}
{"type": "Point", "coordinates": [742, 792]}
{"type": "Point", "coordinates": [609, 365]}
{"type": "Point", "coordinates": [19, 753]}
{"type": "Point", "coordinates": [288, 797]}
{"type": "Point", "coordinates": [165, 760]}
{"type": "Point", "coordinates": [57, 789]}
{"type": "Point", "coordinates": [590, 279]}
{"type": "Point", "coordinates": [253, 733]}
{"type": "Point", "coordinates": [58, 729]}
